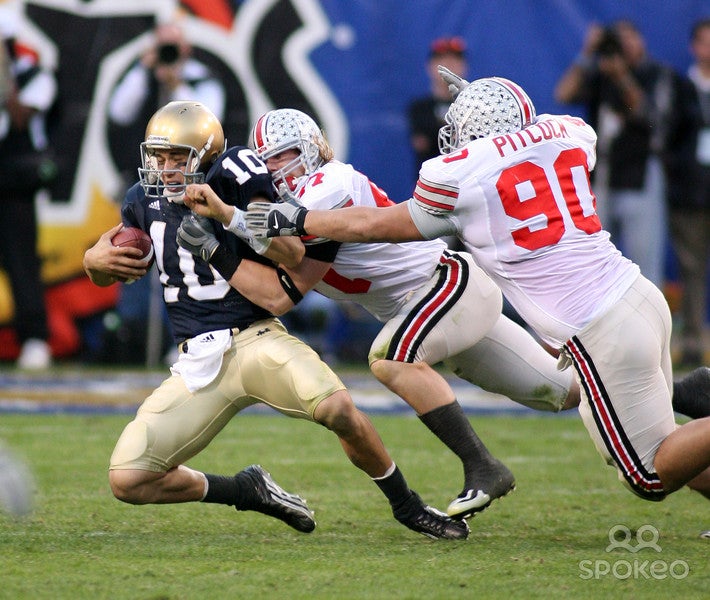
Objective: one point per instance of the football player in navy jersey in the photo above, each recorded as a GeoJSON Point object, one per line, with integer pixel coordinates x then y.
{"type": "Point", "coordinates": [232, 353]}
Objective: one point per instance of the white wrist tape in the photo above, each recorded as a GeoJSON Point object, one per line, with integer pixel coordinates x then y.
{"type": "Point", "coordinates": [238, 227]}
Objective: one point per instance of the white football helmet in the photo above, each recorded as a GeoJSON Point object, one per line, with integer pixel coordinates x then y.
{"type": "Point", "coordinates": [286, 129]}
{"type": "Point", "coordinates": [485, 108]}
{"type": "Point", "coordinates": [181, 125]}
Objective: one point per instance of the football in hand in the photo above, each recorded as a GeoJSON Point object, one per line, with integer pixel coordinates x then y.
{"type": "Point", "coordinates": [134, 237]}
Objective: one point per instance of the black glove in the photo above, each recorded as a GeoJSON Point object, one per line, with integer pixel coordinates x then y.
{"type": "Point", "coordinates": [268, 219]}
{"type": "Point", "coordinates": [196, 235]}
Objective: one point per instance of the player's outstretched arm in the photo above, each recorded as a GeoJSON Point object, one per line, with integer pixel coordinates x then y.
{"type": "Point", "coordinates": [277, 290]}
{"type": "Point", "coordinates": [354, 224]}
{"type": "Point", "coordinates": [274, 289]}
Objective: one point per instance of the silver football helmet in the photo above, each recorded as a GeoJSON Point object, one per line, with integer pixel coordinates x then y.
{"type": "Point", "coordinates": [182, 125]}
{"type": "Point", "coordinates": [286, 129]}
{"type": "Point", "coordinates": [485, 108]}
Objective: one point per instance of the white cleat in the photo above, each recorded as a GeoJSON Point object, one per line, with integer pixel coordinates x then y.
{"type": "Point", "coordinates": [474, 500]}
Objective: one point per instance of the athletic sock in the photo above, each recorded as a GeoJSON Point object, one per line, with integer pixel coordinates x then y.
{"type": "Point", "coordinates": [395, 487]}
{"type": "Point", "coordinates": [452, 427]}
{"type": "Point", "coordinates": [691, 395]}
{"type": "Point", "coordinates": [221, 489]}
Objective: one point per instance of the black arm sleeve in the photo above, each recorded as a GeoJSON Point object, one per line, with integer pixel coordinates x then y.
{"type": "Point", "coordinates": [324, 251]}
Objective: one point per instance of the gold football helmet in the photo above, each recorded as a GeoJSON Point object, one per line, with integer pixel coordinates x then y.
{"type": "Point", "coordinates": [179, 126]}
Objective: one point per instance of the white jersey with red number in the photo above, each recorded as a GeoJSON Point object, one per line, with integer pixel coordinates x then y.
{"type": "Point", "coordinates": [523, 206]}
{"type": "Point", "coordinates": [377, 276]}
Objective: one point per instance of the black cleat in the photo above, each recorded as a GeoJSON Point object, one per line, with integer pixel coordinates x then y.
{"type": "Point", "coordinates": [488, 488]}
{"type": "Point", "coordinates": [269, 498]}
{"type": "Point", "coordinates": [428, 521]}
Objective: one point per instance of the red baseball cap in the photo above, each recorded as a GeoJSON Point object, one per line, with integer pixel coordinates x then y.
{"type": "Point", "coordinates": [448, 45]}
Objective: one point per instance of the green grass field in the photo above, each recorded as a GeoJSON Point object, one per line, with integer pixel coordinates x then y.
{"type": "Point", "coordinates": [546, 540]}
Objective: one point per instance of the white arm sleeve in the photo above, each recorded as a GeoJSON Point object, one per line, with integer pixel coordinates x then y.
{"type": "Point", "coordinates": [431, 225]}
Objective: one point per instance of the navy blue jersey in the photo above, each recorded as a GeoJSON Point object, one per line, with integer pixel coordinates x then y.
{"type": "Point", "coordinates": [198, 299]}
{"type": "Point", "coordinates": [238, 175]}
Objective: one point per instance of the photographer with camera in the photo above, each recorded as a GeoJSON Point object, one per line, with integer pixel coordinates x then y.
{"type": "Point", "coordinates": [629, 99]}
{"type": "Point", "coordinates": [165, 72]}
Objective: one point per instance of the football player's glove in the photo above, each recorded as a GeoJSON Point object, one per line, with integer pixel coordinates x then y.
{"type": "Point", "coordinates": [267, 219]}
{"type": "Point", "coordinates": [196, 235]}
{"type": "Point", "coordinates": [455, 83]}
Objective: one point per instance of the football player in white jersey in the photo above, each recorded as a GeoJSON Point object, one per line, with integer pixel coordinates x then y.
{"type": "Point", "coordinates": [436, 305]}
{"type": "Point", "coordinates": [514, 187]}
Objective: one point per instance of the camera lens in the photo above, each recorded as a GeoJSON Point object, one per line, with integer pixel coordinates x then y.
{"type": "Point", "coordinates": [168, 53]}
{"type": "Point", "coordinates": [609, 44]}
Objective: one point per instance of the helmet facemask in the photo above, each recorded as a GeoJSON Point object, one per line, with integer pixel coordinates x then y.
{"type": "Point", "coordinates": [289, 177]}
{"type": "Point", "coordinates": [288, 129]}
{"type": "Point", "coordinates": [448, 136]}
{"type": "Point", "coordinates": [153, 177]}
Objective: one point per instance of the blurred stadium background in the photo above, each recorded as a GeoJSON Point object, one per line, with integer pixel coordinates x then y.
{"type": "Point", "coordinates": [353, 65]}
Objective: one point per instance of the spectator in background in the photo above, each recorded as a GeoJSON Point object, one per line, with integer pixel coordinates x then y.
{"type": "Point", "coordinates": [165, 72]}
{"type": "Point", "coordinates": [25, 168]}
{"type": "Point", "coordinates": [426, 114]}
{"type": "Point", "coordinates": [689, 195]}
{"type": "Point", "coordinates": [629, 98]}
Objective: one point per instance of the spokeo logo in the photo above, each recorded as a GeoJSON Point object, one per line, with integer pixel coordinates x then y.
{"type": "Point", "coordinates": [621, 537]}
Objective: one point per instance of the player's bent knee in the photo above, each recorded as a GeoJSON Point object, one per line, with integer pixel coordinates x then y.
{"type": "Point", "coordinates": [338, 413]}
{"type": "Point", "coordinates": [381, 369]}
{"type": "Point", "coordinates": [647, 488]}
{"type": "Point", "coordinates": [386, 371]}
{"type": "Point", "coordinates": [131, 446]}
{"type": "Point", "coordinates": [131, 466]}
{"type": "Point", "coordinates": [120, 482]}
{"type": "Point", "coordinates": [573, 397]}
{"type": "Point", "coordinates": [133, 486]}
